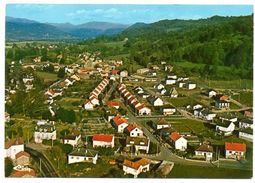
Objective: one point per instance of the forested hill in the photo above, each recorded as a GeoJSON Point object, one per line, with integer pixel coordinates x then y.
{"type": "Point", "coordinates": [216, 41]}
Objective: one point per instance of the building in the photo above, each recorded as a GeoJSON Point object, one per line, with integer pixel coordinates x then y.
{"type": "Point", "coordinates": [159, 86]}
{"type": "Point", "coordinates": [207, 115]}
{"type": "Point", "coordinates": [142, 71]}
{"type": "Point", "coordinates": [23, 171]}
{"type": "Point", "coordinates": [101, 140]}
{"type": "Point", "coordinates": [191, 86]}
{"type": "Point", "coordinates": [53, 93]}
{"type": "Point", "coordinates": [246, 134]}
{"type": "Point", "coordinates": [133, 130]}
{"type": "Point", "coordinates": [124, 73]}
{"type": "Point", "coordinates": [155, 101]}
{"type": "Point", "coordinates": [246, 123]}
{"type": "Point", "coordinates": [212, 93]}
{"type": "Point", "coordinates": [142, 110]}
{"type": "Point", "coordinates": [22, 158]}
{"type": "Point", "coordinates": [45, 131]}
{"type": "Point", "coordinates": [141, 144]}
{"type": "Point", "coordinates": [178, 141]}
{"type": "Point", "coordinates": [119, 123]}
{"type": "Point", "coordinates": [235, 150]}
{"type": "Point", "coordinates": [222, 102]}
{"type": "Point", "coordinates": [168, 110]}
{"type": "Point", "coordinates": [225, 127]}
{"type": "Point", "coordinates": [135, 168]}
{"type": "Point", "coordinates": [72, 139]}
{"type": "Point", "coordinates": [82, 155]}
{"type": "Point", "coordinates": [170, 81]}
{"type": "Point", "coordinates": [113, 104]}
{"type": "Point", "coordinates": [88, 105]}
{"type": "Point", "coordinates": [173, 93]}
{"type": "Point", "coordinates": [160, 123]}
{"type": "Point", "coordinates": [204, 151]}
{"type": "Point", "coordinates": [13, 147]}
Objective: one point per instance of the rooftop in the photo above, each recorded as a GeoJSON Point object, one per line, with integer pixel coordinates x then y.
{"type": "Point", "coordinates": [102, 137]}
{"type": "Point", "coordinates": [231, 146]}
{"type": "Point", "coordinates": [83, 152]}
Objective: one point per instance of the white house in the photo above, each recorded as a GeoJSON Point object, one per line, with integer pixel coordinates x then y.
{"type": "Point", "coordinates": [101, 140]}
{"type": "Point", "coordinates": [142, 110]}
{"type": "Point", "coordinates": [170, 81]}
{"type": "Point", "coordinates": [163, 91]}
{"type": "Point", "coordinates": [88, 105]}
{"type": "Point", "coordinates": [235, 150]}
{"type": "Point", "coordinates": [173, 93]}
{"type": "Point", "coordinates": [246, 123]}
{"type": "Point", "coordinates": [172, 76]}
{"type": "Point", "coordinates": [212, 93]}
{"type": "Point", "coordinates": [204, 151]}
{"type": "Point", "coordinates": [138, 144]}
{"type": "Point", "coordinates": [72, 139]}
{"type": "Point", "coordinates": [156, 101]}
{"type": "Point", "coordinates": [198, 106]}
{"type": "Point", "coordinates": [207, 115]}
{"type": "Point", "coordinates": [94, 100]}
{"type": "Point", "coordinates": [134, 130]}
{"type": "Point", "coordinates": [222, 101]}
{"type": "Point", "coordinates": [119, 123]}
{"type": "Point", "coordinates": [178, 141]}
{"type": "Point", "coordinates": [225, 127]}
{"type": "Point", "coordinates": [53, 93]}
{"type": "Point", "coordinates": [124, 73]}
{"type": "Point", "coordinates": [246, 134]}
{"type": "Point", "coordinates": [159, 86]}
{"type": "Point", "coordinates": [135, 168]}
{"type": "Point", "coordinates": [45, 131]}
{"type": "Point", "coordinates": [160, 123]}
{"type": "Point", "coordinates": [13, 147]}
{"type": "Point", "coordinates": [168, 110]}
{"type": "Point", "coordinates": [82, 155]}
{"type": "Point", "coordinates": [191, 86]}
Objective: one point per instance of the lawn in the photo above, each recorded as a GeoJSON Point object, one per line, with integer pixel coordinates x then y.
{"type": "Point", "coordinates": [245, 98]}
{"type": "Point", "coordinates": [70, 103]}
{"type": "Point", "coordinates": [47, 77]}
{"type": "Point", "coordinates": [181, 101]}
{"type": "Point", "coordinates": [188, 125]}
{"type": "Point", "coordinates": [182, 171]}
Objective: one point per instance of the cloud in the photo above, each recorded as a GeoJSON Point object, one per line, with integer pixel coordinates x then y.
{"type": "Point", "coordinates": [96, 12]}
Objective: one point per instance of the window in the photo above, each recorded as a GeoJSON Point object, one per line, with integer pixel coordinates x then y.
{"type": "Point", "coordinates": [132, 133]}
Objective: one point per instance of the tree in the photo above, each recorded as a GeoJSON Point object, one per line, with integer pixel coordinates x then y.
{"type": "Point", "coordinates": [64, 132]}
{"type": "Point", "coordinates": [8, 166]}
{"type": "Point", "coordinates": [67, 148]}
{"type": "Point", "coordinates": [20, 131]}
{"type": "Point", "coordinates": [61, 73]}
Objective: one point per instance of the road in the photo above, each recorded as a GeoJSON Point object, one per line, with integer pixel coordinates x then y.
{"type": "Point", "coordinates": [46, 167]}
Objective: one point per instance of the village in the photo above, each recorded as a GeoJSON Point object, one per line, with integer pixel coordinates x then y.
{"type": "Point", "coordinates": [117, 124]}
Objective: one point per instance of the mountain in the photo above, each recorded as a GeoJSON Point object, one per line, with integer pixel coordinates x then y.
{"type": "Point", "coordinates": [25, 29]}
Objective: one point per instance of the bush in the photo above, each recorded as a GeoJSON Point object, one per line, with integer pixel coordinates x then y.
{"type": "Point", "coordinates": [8, 167]}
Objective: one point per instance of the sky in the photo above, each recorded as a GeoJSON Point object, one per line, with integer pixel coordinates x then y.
{"type": "Point", "coordinates": [125, 14]}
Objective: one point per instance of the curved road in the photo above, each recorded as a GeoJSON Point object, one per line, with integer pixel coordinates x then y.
{"type": "Point", "coordinates": [46, 167]}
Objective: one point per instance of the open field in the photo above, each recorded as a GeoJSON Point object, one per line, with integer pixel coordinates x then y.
{"type": "Point", "coordinates": [245, 98]}
{"type": "Point", "coordinates": [47, 76]}
{"type": "Point", "coordinates": [181, 171]}
{"type": "Point", "coordinates": [188, 125]}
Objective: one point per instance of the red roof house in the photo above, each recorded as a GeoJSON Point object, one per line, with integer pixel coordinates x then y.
{"type": "Point", "coordinates": [101, 140]}
{"type": "Point", "coordinates": [235, 150]}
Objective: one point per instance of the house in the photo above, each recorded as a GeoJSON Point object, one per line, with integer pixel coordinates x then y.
{"type": "Point", "coordinates": [173, 93]}
{"type": "Point", "coordinates": [159, 86]}
{"type": "Point", "coordinates": [113, 104]}
{"type": "Point", "coordinates": [88, 105]}
{"type": "Point", "coordinates": [181, 84]}
{"type": "Point", "coordinates": [222, 101]}
{"type": "Point", "coordinates": [163, 91]}
{"type": "Point", "coordinates": [170, 81]}
{"type": "Point", "coordinates": [13, 147]}
{"type": "Point", "coordinates": [142, 110]}
{"type": "Point", "coordinates": [191, 86]}
{"type": "Point", "coordinates": [82, 155]}
{"type": "Point", "coordinates": [138, 144]}
{"type": "Point", "coordinates": [124, 73]}
{"type": "Point", "coordinates": [172, 76]}
{"type": "Point", "coordinates": [248, 114]}
{"type": "Point", "coordinates": [72, 139]}
{"type": "Point", "coordinates": [235, 150]}
{"type": "Point", "coordinates": [94, 100]}
{"type": "Point", "coordinates": [101, 140]}
{"type": "Point", "coordinates": [23, 171]}
{"type": "Point", "coordinates": [207, 115]}
{"type": "Point", "coordinates": [168, 110]}
{"type": "Point", "coordinates": [22, 158]}
{"type": "Point", "coordinates": [246, 134]}
{"type": "Point", "coordinates": [160, 123]}
{"type": "Point", "coordinates": [246, 123]}
{"type": "Point", "coordinates": [76, 77]}
{"type": "Point", "coordinates": [197, 112]}
{"type": "Point", "coordinates": [119, 123]}
{"type": "Point", "coordinates": [7, 117]}
{"type": "Point", "coordinates": [178, 141]}
{"type": "Point", "coordinates": [204, 151]}
{"type": "Point", "coordinates": [225, 127]}
{"type": "Point", "coordinates": [151, 79]}
{"type": "Point", "coordinates": [142, 70]}
{"type": "Point", "coordinates": [53, 93]}
{"type": "Point", "coordinates": [115, 72]}
{"type": "Point", "coordinates": [133, 130]}
{"type": "Point", "coordinates": [46, 131]}
{"type": "Point", "coordinates": [135, 168]}
{"type": "Point", "coordinates": [212, 93]}
{"type": "Point", "coordinates": [198, 106]}
{"type": "Point", "coordinates": [155, 101]}
{"type": "Point", "coordinates": [145, 95]}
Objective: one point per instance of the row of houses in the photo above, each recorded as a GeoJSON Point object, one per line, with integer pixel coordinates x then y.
{"type": "Point", "coordinates": [138, 107]}
{"type": "Point", "coordinates": [93, 100]}
{"type": "Point", "coordinates": [181, 82]}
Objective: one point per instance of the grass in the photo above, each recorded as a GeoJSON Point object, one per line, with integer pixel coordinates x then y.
{"type": "Point", "coordinates": [67, 103]}
{"type": "Point", "coordinates": [181, 171]}
{"type": "Point", "coordinates": [187, 125]}
{"type": "Point", "coordinates": [246, 98]}
{"type": "Point", "coordinates": [47, 76]}
{"type": "Point", "coordinates": [181, 101]}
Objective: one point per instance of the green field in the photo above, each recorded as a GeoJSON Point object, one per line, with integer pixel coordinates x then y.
{"type": "Point", "coordinates": [70, 103]}
{"type": "Point", "coordinates": [188, 125]}
{"type": "Point", "coordinates": [245, 98]}
{"type": "Point", "coordinates": [47, 77]}
{"type": "Point", "coordinates": [181, 101]}
{"type": "Point", "coordinates": [181, 171]}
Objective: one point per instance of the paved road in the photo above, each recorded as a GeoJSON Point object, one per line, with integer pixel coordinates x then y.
{"type": "Point", "coordinates": [46, 167]}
